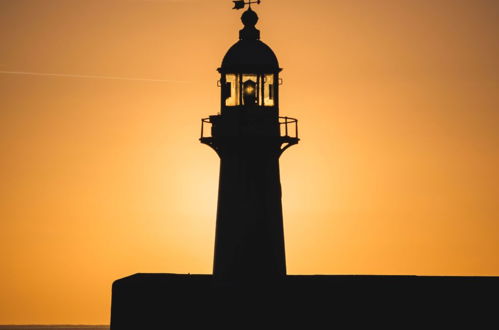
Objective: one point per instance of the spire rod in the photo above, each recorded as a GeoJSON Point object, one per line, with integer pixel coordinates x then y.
{"type": "Point", "coordinates": [240, 4]}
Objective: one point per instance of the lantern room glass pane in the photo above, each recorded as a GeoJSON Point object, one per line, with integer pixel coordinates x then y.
{"type": "Point", "coordinates": [250, 89]}
{"type": "Point", "coordinates": [231, 90]}
{"type": "Point", "coordinates": [269, 90]}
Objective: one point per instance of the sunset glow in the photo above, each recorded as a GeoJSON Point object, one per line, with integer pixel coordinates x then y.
{"type": "Point", "coordinates": [103, 175]}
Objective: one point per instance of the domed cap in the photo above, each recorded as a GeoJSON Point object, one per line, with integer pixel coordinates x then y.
{"type": "Point", "coordinates": [249, 54]}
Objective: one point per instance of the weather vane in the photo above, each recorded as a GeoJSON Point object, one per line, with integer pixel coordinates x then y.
{"type": "Point", "coordinates": [239, 4]}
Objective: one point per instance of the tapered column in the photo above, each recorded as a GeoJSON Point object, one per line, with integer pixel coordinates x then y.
{"type": "Point", "coordinates": [249, 236]}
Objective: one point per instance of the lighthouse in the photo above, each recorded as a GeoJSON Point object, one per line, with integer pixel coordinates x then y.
{"type": "Point", "coordinates": [249, 136]}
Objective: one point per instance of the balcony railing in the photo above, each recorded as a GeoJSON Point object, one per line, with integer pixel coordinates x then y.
{"type": "Point", "coordinates": [206, 125]}
{"type": "Point", "coordinates": [288, 128]}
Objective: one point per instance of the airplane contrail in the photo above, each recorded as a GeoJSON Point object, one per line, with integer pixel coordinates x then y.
{"type": "Point", "coordinates": [63, 75]}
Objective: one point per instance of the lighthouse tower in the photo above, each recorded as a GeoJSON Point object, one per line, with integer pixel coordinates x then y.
{"type": "Point", "coordinates": [249, 136]}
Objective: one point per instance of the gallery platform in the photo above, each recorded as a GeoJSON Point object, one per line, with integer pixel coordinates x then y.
{"type": "Point", "coordinates": [170, 301]}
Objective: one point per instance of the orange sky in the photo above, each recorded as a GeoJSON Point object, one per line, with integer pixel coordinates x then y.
{"type": "Point", "coordinates": [396, 173]}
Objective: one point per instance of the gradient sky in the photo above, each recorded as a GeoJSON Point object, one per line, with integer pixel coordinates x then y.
{"type": "Point", "coordinates": [102, 174]}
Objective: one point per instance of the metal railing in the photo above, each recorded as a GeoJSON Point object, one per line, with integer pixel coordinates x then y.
{"type": "Point", "coordinates": [288, 127]}
{"type": "Point", "coordinates": [207, 122]}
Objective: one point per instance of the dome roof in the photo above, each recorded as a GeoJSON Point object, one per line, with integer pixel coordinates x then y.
{"type": "Point", "coordinates": [250, 56]}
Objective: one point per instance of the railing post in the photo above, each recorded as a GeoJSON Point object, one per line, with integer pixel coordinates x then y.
{"type": "Point", "coordinates": [286, 125]}
{"type": "Point", "coordinates": [202, 128]}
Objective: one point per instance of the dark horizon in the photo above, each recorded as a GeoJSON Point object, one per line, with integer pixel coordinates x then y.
{"type": "Point", "coordinates": [53, 326]}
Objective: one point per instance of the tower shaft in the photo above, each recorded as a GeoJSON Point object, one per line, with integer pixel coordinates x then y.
{"type": "Point", "coordinates": [249, 234]}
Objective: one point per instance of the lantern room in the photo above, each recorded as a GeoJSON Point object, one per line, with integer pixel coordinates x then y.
{"type": "Point", "coordinates": [249, 72]}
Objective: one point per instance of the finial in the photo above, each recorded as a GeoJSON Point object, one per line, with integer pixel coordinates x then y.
{"type": "Point", "coordinates": [239, 4]}
{"type": "Point", "coordinates": [249, 32]}
{"type": "Point", "coordinates": [249, 19]}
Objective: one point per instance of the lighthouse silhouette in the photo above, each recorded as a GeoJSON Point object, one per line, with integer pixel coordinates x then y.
{"type": "Point", "coordinates": [249, 136]}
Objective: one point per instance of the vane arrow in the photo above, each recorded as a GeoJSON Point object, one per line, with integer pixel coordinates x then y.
{"type": "Point", "coordinates": [240, 4]}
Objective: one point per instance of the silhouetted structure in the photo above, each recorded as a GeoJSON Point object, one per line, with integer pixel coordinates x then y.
{"type": "Point", "coordinates": [249, 136]}
{"type": "Point", "coordinates": [251, 288]}
{"type": "Point", "coordinates": [168, 301]}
